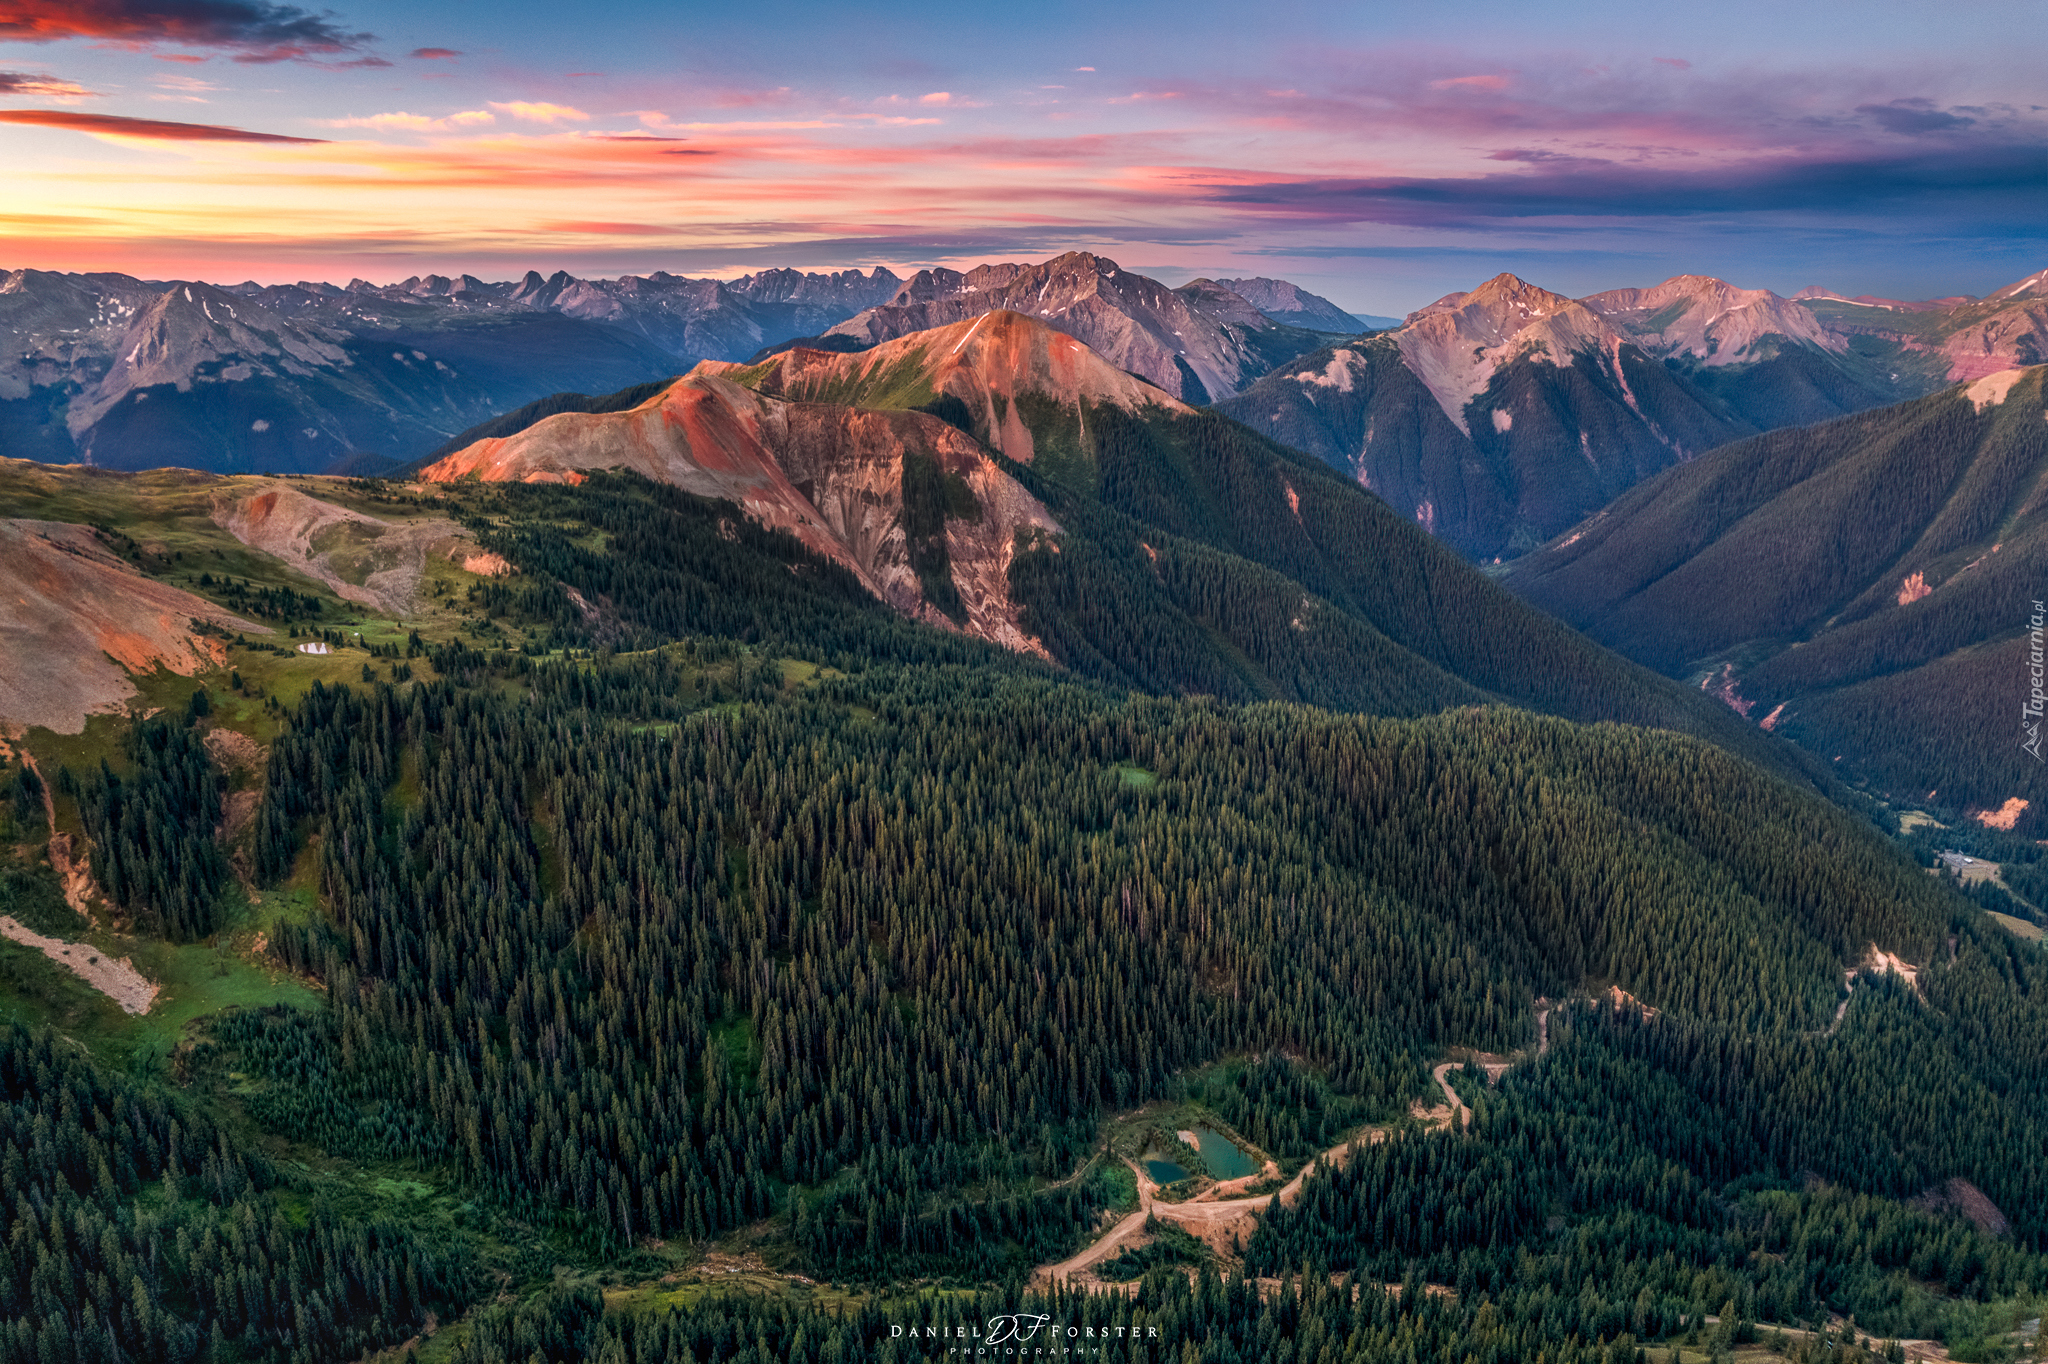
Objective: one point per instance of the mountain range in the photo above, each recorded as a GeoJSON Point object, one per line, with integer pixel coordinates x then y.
{"type": "Point", "coordinates": [130, 373]}
{"type": "Point", "coordinates": [997, 477]}
{"type": "Point", "coordinates": [1500, 417]}
{"type": "Point", "coordinates": [909, 815]}
{"type": "Point", "coordinates": [1496, 418]}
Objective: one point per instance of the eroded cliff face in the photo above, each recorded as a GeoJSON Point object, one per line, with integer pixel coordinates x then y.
{"type": "Point", "coordinates": [829, 474]}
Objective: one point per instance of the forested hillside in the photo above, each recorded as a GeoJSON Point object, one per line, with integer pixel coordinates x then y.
{"type": "Point", "coordinates": [1196, 556]}
{"type": "Point", "coordinates": [689, 956]}
{"type": "Point", "coordinates": [1865, 587]}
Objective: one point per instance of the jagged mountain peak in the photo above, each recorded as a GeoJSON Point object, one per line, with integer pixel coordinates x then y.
{"type": "Point", "coordinates": [1709, 320]}
{"type": "Point", "coordinates": [2033, 286]}
{"type": "Point", "coordinates": [197, 333]}
{"type": "Point", "coordinates": [1456, 344]}
{"type": "Point", "coordinates": [986, 363]}
{"type": "Point", "coordinates": [1131, 320]}
{"type": "Point", "coordinates": [1514, 291]}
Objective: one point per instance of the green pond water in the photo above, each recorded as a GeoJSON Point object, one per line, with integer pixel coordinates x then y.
{"type": "Point", "coordinates": [1164, 1171]}
{"type": "Point", "coordinates": [1222, 1156]}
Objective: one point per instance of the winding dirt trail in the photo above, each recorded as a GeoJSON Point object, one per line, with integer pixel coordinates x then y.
{"type": "Point", "coordinates": [1225, 1222]}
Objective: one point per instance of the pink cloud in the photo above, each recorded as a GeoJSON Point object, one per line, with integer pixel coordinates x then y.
{"type": "Point", "coordinates": [42, 87]}
{"type": "Point", "coordinates": [401, 121]}
{"type": "Point", "coordinates": [150, 129]}
{"type": "Point", "coordinates": [1470, 83]}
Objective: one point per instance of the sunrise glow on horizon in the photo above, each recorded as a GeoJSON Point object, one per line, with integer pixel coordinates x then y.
{"type": "Point", "coordinates": [1380, 155]}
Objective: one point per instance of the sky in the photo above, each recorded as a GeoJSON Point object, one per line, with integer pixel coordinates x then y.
{"type": "Point", "coordinates": [1380, 154]}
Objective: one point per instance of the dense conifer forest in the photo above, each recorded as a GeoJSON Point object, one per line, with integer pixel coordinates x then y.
{"type": "Point", "coordinates": [1867, 584]}
{"type": "Point", "coordinates": [718, 908]}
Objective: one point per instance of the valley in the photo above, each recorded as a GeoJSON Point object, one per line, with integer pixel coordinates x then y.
{"type": "Point", "coordinates": [1864, 586]}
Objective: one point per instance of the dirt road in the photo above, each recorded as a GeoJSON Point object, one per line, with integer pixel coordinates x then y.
{"type": "Point", "coordinates": [1223, 1222]}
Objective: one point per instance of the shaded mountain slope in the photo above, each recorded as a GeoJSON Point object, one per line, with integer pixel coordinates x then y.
{"type": "Point", "coordinates": [1537, 413]}
{"type": "Point", "coordinates": [1866, 584]}
{"type": "Point", "coordinates": [1153, 545]}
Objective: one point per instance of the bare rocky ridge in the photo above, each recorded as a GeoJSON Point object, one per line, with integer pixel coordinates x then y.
{"type": "Point", "coordinates": [1198, 343]}
{"type": "Point", "coordinates": [1945, 340]}
{"type": "Point", "coordinates": [1297, 307]}
{"type": "Point", "coordinates": [828, 474]}
{"type": "Point", "coordinates": [1494, 418]}
{"type": "Point", "coordinates": [1710, 320]}
{"type": "Point", "coordinates": [76, 620]}
{"type": "Point", "coordinates": [987, 363]}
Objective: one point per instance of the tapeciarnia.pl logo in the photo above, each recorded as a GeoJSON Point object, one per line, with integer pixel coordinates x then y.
{"type": "Point", "coordinates": [2030, 713]}
{"type": "Point", "coordinates": [1024, 1333]}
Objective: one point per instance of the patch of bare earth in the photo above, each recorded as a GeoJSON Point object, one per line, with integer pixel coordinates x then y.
{"type": "Point", "coordinates": [1725, 690]}
{"type": "Point", "coordinates": [362, 559]}
{"type": "Point", "coordinates": [233, 750]}
{"type": "Point", "coordinates": [486, 565]}
{"type": "Point", "coordinates": [1965, 1199]}
{"type": "Point", "coordinates": [2005, 816]}
{"type": "Point", "coordinates": [76, 620]}
{"type": "Point", "coordinates": [118, 980]}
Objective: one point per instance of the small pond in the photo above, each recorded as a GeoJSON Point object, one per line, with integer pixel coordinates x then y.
{"type": "Point", "coordinates": [1163, 1171]}
{"type": "Point", "coordinates": [1223, 1157]}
